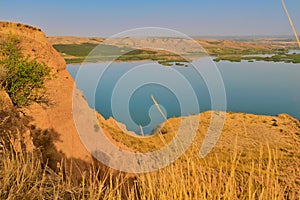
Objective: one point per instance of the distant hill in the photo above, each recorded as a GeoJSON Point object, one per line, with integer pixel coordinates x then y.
{"type": "Point", "coordinates": [77, 49]}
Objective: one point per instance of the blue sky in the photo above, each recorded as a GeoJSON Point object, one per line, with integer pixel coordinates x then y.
{"type": "Point", "coordinates": [193, 17]}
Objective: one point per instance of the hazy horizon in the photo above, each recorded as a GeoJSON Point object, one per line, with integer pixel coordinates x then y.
{"type": "Point", "coordinates": [236, 37]}
{"type": "Point", "coordinates": [230, 18]}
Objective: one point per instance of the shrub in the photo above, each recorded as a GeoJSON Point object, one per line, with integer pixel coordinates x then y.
{"type": "Point", "coordinates": [24, 79]}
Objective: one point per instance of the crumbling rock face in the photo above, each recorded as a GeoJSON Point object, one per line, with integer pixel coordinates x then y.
{"type": "Point", "coordinates": [55, 113]}
{"type": "Point", "coordinates": [13, 126]}
{"type": "Point", "coordinates": [5, 101]}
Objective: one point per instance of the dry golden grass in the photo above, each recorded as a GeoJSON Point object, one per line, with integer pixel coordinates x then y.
{"type": "Point", "coordinates": [262, 171]}
{"type": "Point", "coordinates": [24, 177]}
{"type": "Point", "coordinates": [256, 157]}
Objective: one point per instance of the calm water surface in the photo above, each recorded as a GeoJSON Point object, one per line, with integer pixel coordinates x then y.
{"type": "Point", "coordinates": [260, 87]}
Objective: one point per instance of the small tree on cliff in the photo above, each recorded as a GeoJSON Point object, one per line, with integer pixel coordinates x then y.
{"type": "Point", "coordinates": [23, 79]}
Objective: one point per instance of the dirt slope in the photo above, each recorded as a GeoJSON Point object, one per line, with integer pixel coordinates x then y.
{"type": "Point", "coordinates": [34, 44]}
{"type": "Point", "coordinates": [252, 137]}
{"type": "Point", "coordinates": [252, 131]}
{"type": "Point", "coordinates": [57, 113]}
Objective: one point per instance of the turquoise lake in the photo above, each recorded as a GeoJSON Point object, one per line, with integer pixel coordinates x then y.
{"type": "Point", "coordinates": [266, 88]}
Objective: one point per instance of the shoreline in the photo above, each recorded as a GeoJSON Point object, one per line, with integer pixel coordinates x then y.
{"type": "Point", "coordinates": [142, 60]}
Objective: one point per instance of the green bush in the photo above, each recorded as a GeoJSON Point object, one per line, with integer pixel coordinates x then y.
{"type": "Point", "coordinates": [24, 78]}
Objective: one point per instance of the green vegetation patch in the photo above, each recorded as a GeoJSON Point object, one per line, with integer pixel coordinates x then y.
{"type": "Point", "coordinates": [23, 79]}
{"type": "Point", "coordinates": [287, 58]}
{"type": "Point", "coordinates": [251, 51]}
{"type": "Point", "coordinates": [88, 52]}
{"type": "Point", "coordinates": [163, 57]}
{"type": "Point", "coordinates": [84, 49]}
{"type": "Point", "coordinates": [229, 58]}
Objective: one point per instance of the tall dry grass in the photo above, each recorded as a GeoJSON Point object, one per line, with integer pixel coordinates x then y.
{"type": "Point", "coordinates": [23, 176]}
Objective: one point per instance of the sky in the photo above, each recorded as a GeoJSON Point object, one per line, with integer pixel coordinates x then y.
{"type": "Point", "coordinates": [104, 18]}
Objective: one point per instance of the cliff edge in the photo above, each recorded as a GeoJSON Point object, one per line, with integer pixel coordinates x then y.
{"type": "Point", "coordinates": [56, 114]}
{"type": "Point", "coordinates": [34, 44]}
